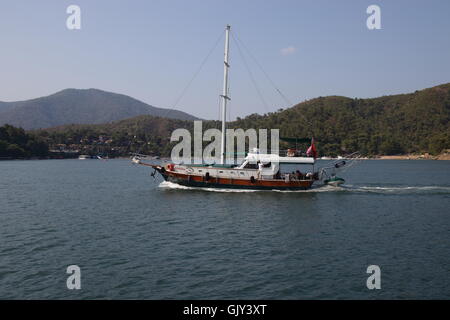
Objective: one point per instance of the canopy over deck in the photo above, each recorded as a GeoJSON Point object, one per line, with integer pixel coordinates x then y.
{"type": "Point", "coordinates": [266, 158]}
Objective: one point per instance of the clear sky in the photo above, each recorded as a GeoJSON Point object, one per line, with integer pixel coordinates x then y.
{"type": "Point", "coordinates": [150, 49]}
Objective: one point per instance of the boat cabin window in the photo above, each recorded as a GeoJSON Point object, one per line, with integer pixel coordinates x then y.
{"type": "Point", "coordinates": [251, 166]}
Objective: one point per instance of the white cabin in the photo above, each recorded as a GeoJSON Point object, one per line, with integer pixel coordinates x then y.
{"type": "Point", "coordinates": [248, 168]}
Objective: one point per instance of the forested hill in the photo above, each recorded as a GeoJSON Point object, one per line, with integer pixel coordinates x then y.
{"type": "Point", "coordinates": [398, 124]}
{"type": "Point", "coordinates": [16, 143]}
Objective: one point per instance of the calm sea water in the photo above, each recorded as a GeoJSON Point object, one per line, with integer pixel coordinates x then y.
{"type": "Point", "coordinates": [134, 237]}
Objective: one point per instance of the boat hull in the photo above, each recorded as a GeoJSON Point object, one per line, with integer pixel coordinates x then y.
{"type": "Point", "coordinates": [213, 182]}
{"type": "Point", "coordinates": [229, 183]}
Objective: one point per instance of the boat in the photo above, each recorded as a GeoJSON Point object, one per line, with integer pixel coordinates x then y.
{"type": "Point", "coordinates": [266, 176]}
{"type": "Point", "coordinates": [257, 171]}
{"type": "Point", "coordinates": [136, 160]}
{"type": "Point", "coordinates": [88, 157]}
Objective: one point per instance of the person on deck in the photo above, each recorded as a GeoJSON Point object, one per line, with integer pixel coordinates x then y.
{"type": "Point", "coordinates": [260, 168]}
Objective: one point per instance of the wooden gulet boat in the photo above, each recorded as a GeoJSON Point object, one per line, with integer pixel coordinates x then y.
{"type": "Point", "coordinates": [245, 176]}
{"type": "Point", "coordinates": [258, 171]}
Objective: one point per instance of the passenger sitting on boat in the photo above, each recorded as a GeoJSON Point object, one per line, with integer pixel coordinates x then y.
{"type": "Point", "coordinates": [278, 175]}
{"type": "Point", "coordinates": [298, 174]}
{"type": "Point", "coordinates": [309, 175]}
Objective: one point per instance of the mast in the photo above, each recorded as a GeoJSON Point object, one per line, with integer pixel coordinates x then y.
{"type": "Point", "coordinates": [224, 94]}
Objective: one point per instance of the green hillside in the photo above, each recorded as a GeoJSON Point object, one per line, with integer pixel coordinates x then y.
{"type": "Point", "coordinates": [397, 124]}
{"type": "Point", "coordinates": [16, 143]}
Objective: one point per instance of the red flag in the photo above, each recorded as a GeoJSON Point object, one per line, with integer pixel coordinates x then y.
{"type": "Point", "coordinates": [312, 152]}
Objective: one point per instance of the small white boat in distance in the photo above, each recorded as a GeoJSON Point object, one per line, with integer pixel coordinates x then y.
{"type": "Point", "coordinates": [136, 160]}
{"type": "Point", "coordinates": [84, 157]}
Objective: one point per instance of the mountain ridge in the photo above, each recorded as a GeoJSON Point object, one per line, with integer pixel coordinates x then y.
{"type": "Point", "coordinates": [79, 106]}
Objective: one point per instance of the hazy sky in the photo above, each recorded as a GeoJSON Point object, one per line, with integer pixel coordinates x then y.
{"type": "Point", "coordinates": [150, 50]}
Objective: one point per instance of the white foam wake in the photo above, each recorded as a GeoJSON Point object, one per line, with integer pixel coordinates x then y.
{"type": "Point", "coordinates": [174, 186]}
{"type": "Point", "coordinates": [398, 189]}
{"type": "Point", "coordinates": [325, 188]}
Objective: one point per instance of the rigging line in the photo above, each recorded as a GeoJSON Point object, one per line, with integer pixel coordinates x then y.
{"type": "Point", "coordinates": [264, 72]}
{"type": "Point", "coordinates": [229, 113]}
{"type": "Point", "coordinates": [195, 74]}
{"type": "Point", "coordinates": [308, 125]}
{"type": "Point", "coordinates": [229, 103]}
{"type": "Point", "coordinates": [250, 74]}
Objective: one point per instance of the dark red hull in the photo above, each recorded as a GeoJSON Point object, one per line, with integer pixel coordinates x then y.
{"type": "Point", "coordinates": [215, 182]}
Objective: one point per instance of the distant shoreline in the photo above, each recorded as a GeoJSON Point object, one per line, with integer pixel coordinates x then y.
{"type": "Point", "coordinates": [443, 156]}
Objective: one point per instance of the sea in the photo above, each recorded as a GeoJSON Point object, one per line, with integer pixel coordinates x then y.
{"type": "Point", "coordinates": [133, 236]}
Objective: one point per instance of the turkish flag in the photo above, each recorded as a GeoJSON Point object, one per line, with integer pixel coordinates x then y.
{"type": "Point", "coordinates": [312, 152]}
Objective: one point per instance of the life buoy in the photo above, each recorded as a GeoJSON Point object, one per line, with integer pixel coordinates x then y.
{"type": "Point", "coordinates": [252, 179]}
